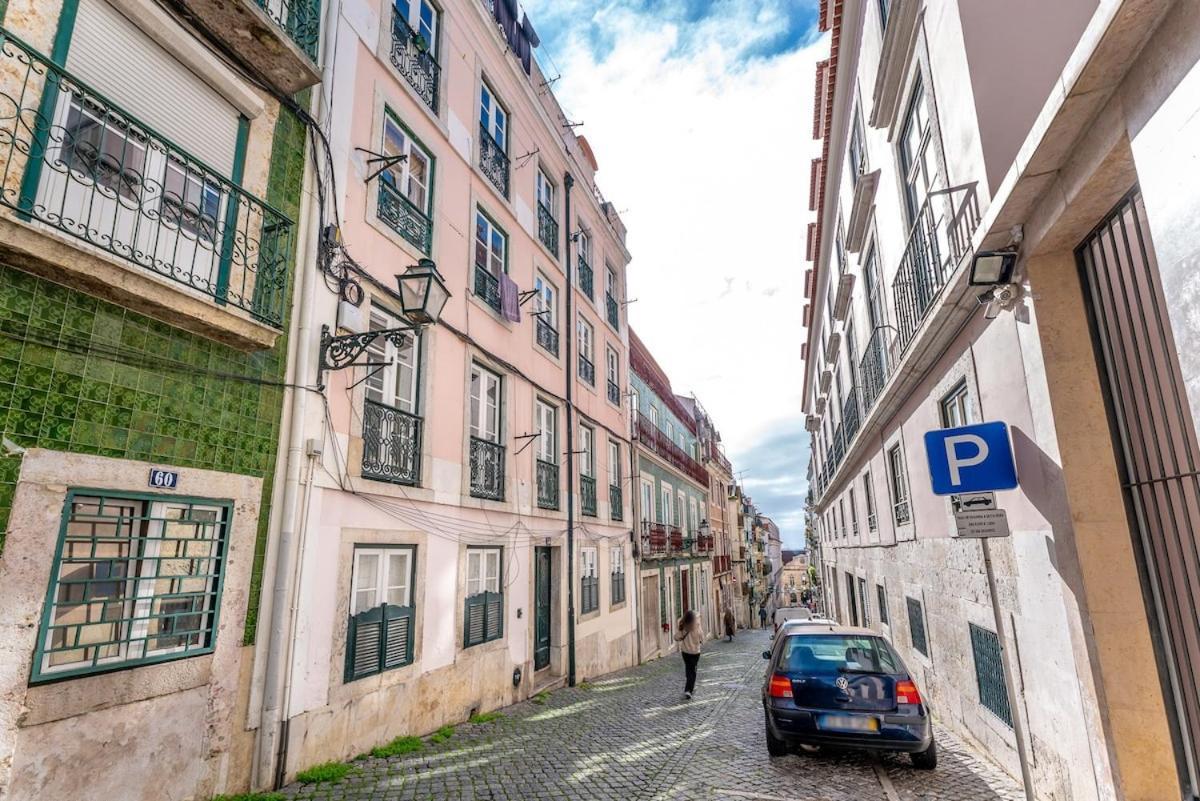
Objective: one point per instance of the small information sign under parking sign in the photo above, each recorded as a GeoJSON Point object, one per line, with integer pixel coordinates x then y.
{"type": "Point", "coordinates": [164, 479]}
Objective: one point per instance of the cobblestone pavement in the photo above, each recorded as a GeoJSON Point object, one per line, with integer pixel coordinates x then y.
{"type": "Point", "coordinates": [631, 736]}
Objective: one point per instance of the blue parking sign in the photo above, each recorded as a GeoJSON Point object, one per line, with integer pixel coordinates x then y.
{"type": "Point", "coordinates": [974, 458]}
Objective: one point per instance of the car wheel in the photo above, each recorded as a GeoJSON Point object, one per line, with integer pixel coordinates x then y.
{"type": "Point", "coordinates": [927, 759]}
{"type": "Point", "coordinates": [775, 746]}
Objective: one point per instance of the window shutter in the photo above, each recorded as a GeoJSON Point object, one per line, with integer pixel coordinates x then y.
{"type": "Point", "coordinates": [363, 644]}
{"type": "Point", "coordinates": [495, 615]}
{"type": "Point", "coordinates": [398, 642]}
{"type": "Point", "coordinates": [474, 620]}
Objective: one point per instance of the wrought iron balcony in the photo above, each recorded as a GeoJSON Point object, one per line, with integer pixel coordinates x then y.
{"type": "Point", "coordinates": [675, 539]}
{"type": "Point", "coordinates": [299, 19]}
{"type": "Point", "coordinates": [487, 469]}
{"type": "Point", "coordinates": [587, 370]}
{"type": "Point", "coordinates": [616, 506]}
{"type": "Point", "coordinates": [391, 444]}
{"type": "Point", "coordinates": [547, 228]}
{"type": "Point", "coordinates": [412, 59]}
{"type": "Point", "coordinates": [402, 216]}
{"type": "Point", "coordinates": [547, 485]}
{"type": "Point", "coordinates": [878, 361]}
{"type": "Point", "coordinates": [614, 392]}
{"type": "Point", "coordinates": [487, 287]}
{"type": "Point", "coordinates": [493, 161]}
{"type": "Point", "coordinates": [654, 539]}
{"type": "Point", "coordinates": [547, 337]}
{"type": "Point", "coordinates": [614, 315]}
{"type": "Point", "coordinates": [851, 419]}
{"type": "Point", "coordinates": [584, 273]}
{"type": "Point", "coordinates": [587, 495]}
{"type": "Point", "coordinates": [649, 436]}
{"type": "Point", "coordinates": [80, 165]}
{"type": "Point", "coordinates": [704, 543]}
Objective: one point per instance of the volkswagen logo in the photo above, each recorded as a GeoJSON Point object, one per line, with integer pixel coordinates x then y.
{"type": "Point", "coordinates": [842, 683]}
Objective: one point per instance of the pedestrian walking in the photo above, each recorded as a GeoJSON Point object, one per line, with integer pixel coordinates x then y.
{"type": "Point", "coordinates": [730, 624]}
{"type": "Point", "coordinates": [689, 637]}
{"type": "Point", "coordinates": [762, 616]}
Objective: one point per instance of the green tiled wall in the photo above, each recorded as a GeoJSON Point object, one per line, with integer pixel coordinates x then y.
{"type": "Point", "coordinates": [83, 375]}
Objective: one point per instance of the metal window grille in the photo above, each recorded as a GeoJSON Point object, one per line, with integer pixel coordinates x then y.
{"type": "Point", "coordinates": [547, 337]}
{"type": "Point", "coordinates": [487, 287]}
{"type": "Point", "coordinates": [916, 626]}
{"type": "Point", "coordinates": [616, 506]}
{"type": "Point", "coordinates": [487, 469]}
{"type": "Point", "coordinates": [413, 57]}
{"type": "Point", "coordinates": [989, 672]}
{"type": "Point", "coordinates": [583, 271]}
{"type": "Point", "coordinates": [883, 605]}
{"type": "Point", "coordinates": [391, 444]}
{"type": "Point", "coordinates": [547, 485]}
{"type": "Point", "coordinates": [135, 580]}
{"type": "Point", "coordinates": [587, 495]}
{"type": "Point", "coordinates": [483, 618]}
{"type": "Point", "coordinates": [493, 161]}
{"type": "Point", "coordinates": [547, 228]}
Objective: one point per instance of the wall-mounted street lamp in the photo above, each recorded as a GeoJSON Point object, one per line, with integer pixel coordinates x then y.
{"type": "Point", "coordinates": [423, 295]}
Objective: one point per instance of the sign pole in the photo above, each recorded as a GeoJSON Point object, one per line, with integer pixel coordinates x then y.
{"type": "Point", "coordinates": [1009, 682]}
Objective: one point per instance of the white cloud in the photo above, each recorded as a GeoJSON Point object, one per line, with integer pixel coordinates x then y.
{"type": "Point", "coordinates": [706, 154]}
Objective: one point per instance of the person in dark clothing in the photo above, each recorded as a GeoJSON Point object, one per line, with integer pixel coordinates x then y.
{"type": "Point", "coordinates": [689, 636]}
{"type": "Point", "coordinates": [762, 616]}
{"type": "Point", "coordinates": [730, 624]}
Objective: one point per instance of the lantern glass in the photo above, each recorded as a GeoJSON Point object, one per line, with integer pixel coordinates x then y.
{"type": "Point", "coordinates": [423, 294]}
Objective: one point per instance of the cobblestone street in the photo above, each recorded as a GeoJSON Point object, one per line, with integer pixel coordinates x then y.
{"type": "Point", "coordinates": [631, 736]}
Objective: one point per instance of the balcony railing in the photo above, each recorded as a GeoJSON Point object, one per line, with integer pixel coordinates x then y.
{"type": "Point", "coordinates": [651, 437]}
{"type": "Point", "coordinates": [79, 164]}
{"type": "Point", "coordinates": [547, 228]}
{"type": "Point", "coordinates": [616, 504]}
{"type": "Point", "coordinates": [614, 316]}
{"type": "Point", "coordinates": [584, 273]}
{"type": "Point", "coordinates": [402, 216]}
{"type": "Point", "coordinates": [722, 564]}
{"type": "Point", "coordinates": [487, 469]}
{"type": "Point", "coordinates": [879, 358]}
{"type": "Point", "coordinates": [654, 539]}
{"type": "Point", "coordinates": [614, 392]}
{"type": "Point", "coordinates": [487, 287]}
{"type": "Point", "coordinates": [587, 495]}
{"type": "Point", "coordinates": [493, 161]}
{"type": "Point", "coordinates": [675, 539]}
{"type": "Point", "coordinates": [412, 58]}
{"type": "Point", "coordinates": [901, 511]}
{"type": "Point", "coordinates": [587, 370]}
{"type": "Point", "coordinates": [391, 444]}
{"type": "Point", "coordinates": [299, 19]}
{"type": "Point", "coordinates": [704, 543]}
{"type": "Point", "coordinates": [547, 337]}
{"type": "Point", "coordinates": [547, 485]}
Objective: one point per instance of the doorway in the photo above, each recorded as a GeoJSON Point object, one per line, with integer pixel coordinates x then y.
{"type": "Point", "coordinates": [542, 584]}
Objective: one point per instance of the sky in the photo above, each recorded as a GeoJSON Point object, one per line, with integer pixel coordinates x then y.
{"type": "Point", "coordinates": [700, 115]}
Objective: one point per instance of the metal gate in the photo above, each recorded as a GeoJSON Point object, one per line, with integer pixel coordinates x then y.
{"type": "Point", "coordinates": [1155, 443]}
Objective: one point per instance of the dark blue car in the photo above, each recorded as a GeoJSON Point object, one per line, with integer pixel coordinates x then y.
{"type": "Point", "coordinates": [845, 687]}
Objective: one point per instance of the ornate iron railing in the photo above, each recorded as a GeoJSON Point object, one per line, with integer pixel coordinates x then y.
{"type": "Point", "coordinates": [299, 19]}
{"type": "Point", "coordinates": [487, 469]}
{"type": "Point", "coordinates": [411, 56]}
{"type": "Point", "coordinates": [587, 495]}
{"type": "Point", "coordinates": [616, 504]}
{"type": "Point", "coordinates": [547, 485]}
{"type": "Point", "coordinates": [487, 287]}
{"type": "Point", "coordinates": [493, 161]}
{"type": "Point", "coordinates": [76, 162]}
{"type": "Point", "coordinates": [654, 539]}
{"type": "Point", "coordinates": [391, 444]}
{"type": "Point", "coordinates": [584, 273]}
{"type": "Point", "coordinates": [851, 419]}
{"type": "Point", "coordinates": [402, 216]}
{"type": "Point", "coordinates": [547, 337]}
{"type": "Point", "coordinates": [547, 228]}
{"type": "Point", "coordinates": [614, 315]}
{"type": "Point", "coordinates": [614, 392]}
{"type": "Point", "coordinates": [587, 370]}
{"type": "Point", "coordinates": [879, 357]}
{"type": "Point", "coordinates": [651, 437]}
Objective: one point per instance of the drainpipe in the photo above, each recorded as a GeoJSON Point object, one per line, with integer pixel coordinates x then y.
{"type": "Point", "coordinates": [635, 492]}
{"type": "Point", "coordinates": [569, 182]}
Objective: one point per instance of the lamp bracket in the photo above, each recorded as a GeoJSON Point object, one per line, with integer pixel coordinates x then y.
{"type": "Point", "coordinates": [340, 352]}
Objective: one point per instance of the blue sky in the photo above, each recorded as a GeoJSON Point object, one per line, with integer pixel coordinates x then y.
{"type": "Point", "coordinates": [700, 114]}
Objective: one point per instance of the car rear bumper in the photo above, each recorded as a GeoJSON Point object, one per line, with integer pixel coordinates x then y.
{"type": "Point", "coordinates": [903, 733]}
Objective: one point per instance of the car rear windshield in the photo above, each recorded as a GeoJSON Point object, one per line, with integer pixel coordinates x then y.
{"type": "Point", "coordinates": [818, 654]}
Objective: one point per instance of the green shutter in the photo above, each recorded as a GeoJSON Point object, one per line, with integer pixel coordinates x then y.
{"type": "Point", "coordinates": [483, 618]}
{"type": "Point", "coordinates": [379, 639]}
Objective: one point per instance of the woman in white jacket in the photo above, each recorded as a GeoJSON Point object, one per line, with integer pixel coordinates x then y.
{"type": "Point", "coordinates": [689, 636]}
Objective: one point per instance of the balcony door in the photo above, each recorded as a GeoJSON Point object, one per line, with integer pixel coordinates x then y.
{"type": "Point", "coordinates": [391, 428]}
{"type": "Point", "coordinates": [542, 598]}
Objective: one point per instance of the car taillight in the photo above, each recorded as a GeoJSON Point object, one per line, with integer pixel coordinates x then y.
{"type": "Point", "coordinates": [906, 693]}
{"type": "Point", "coordinates": [780, 687]}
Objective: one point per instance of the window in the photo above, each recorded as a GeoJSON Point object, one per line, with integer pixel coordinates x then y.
{"type": "Point", "coordinates": [853, 514]}
{"type": "Point", "coordinates": [585, 248]}
{"type": "Point", "coordinates": [917, 153]}
{"type": "Point", "coordinates": [616, 505]}
{"type": "Point", "coordinates": [883, 604]}
{"type": "Point", "coordinates": [883, 14]}
{"type": "Point", "coordinates": [491, 259]}
{"type": "Point", "coordinates": [666, 505]}
{"type": "Point", "coordinates": [589, 581]}
{"type": "Point", "coordinates": [863, 602]}
{"type": "Point", "coordinates": [587, 368]}
{"type": "Point", "coordinates": [610, 297]}
{"type": "Point", "coordinates": [547, 224]}
{"type": "Point", "coordinates": [380, 630]}
{"type": "Point", "coordinates": [545, 192]}
{"type": "Point", "coordinates": [989, 673]}
{"type": "Point", "coordinates": [654, 415]}
{"type": "Point", "coordinates": [680, 511]}
{"type": "Point", "coordinates": [858, 151]}
{"type": "Point", "coordinates": [617, 558]}
{"type": "Point", "coordinates": [135, 580]}
{"type": "Point", "coordinates": [611, 368]}
{"type": "Point", "coordinates": [408, 178]}
{"type": "Point", "coordinates": [492, 117]}
{"type": "Point", "coordinates": [635, 404]}
{"type": "Point", "coordinates": [391, 429]}
{"type": "Point", "coordinates": [486, 452]}
{"type": "Point", "coordinates": [851, 600]}
{"type": "Point", "coordinates": [869, 496]}
{"type": "Point", "coordinates": [546, 313]}
{"type": "Point", "coordinates": [842, 516]}
{"type": "Point", "coordinates": [899, 481]}
{"type": "Point", "coordinates": [916, 626]}
{"type": "Point", "coordinates": [423, 18]}
{"type": "Point", "coordinates": [693, 515]}
{"type": "Point", "coordinates": [670, 432]}
{"type": "Point", "coordinates": [955, 406]}
{"type": "Point", "coordinates": [648, 510]}
{"type": "Point", "coordinates": [547, 432]}
{"type": "Point", "coordinates": [587, 451]}
{"type": "Point", "coordinates": [483, 618]}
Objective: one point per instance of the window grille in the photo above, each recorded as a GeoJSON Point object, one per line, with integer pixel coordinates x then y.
{"type": "Point", "coordinates": [916, 626]}
{"type": "Point", "coordinates": [989, 673]}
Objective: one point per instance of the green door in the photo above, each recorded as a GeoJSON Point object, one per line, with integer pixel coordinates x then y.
{"type": "Point", "coordinates": [541, 611]}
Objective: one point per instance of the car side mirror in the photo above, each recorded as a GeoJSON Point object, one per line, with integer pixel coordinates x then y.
{"type": "Point", "coordinates": [766, 654]}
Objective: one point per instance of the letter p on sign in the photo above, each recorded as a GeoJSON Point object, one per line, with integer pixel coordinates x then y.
{"type": "Point", "coordinates": [975, 458]}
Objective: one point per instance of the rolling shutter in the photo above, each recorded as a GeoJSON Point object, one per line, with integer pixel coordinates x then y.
{"type": "Point", "coordinates": [117, 59]}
